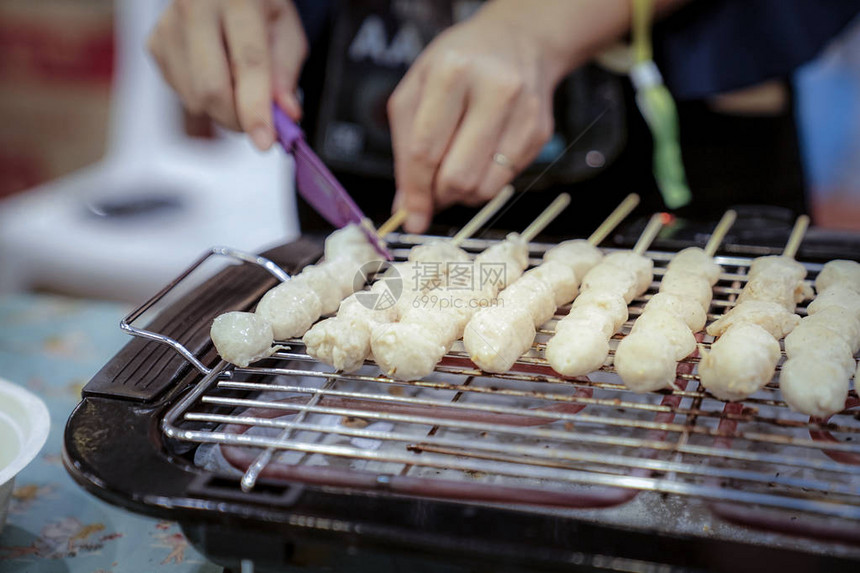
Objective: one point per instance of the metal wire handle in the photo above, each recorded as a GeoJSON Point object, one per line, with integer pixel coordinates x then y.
{"type": "Point", "coordinates": [235, 254]}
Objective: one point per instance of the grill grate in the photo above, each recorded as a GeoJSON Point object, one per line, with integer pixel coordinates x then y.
{"type": "Point", "coordinates": [529, 435]}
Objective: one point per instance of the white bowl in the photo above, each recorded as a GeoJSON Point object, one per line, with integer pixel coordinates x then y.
{"type": "Point", "coordinates": [24, 427]}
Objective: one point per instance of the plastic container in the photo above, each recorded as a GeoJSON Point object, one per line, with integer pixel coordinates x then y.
{"type": "Point", "coordinates": [24, 427]}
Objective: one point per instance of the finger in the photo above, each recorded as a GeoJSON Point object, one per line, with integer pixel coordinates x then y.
{"type": "Point", "coordinates": [289, 51]}
{"type": "Point", "coordinates": [440, 110]}
{"type": "Point", "coordinates": [414, 180]}
{"type": "Point", "coordinates": [168, 48]}
{"type": "Point", "coordinates": [247, 42]}
{"type": "Point", "coordinates": [466, 161]}
{"type": "Point", "coordinates": [207, 57]}
{"type": "Point", "coordinates": [529, 128]}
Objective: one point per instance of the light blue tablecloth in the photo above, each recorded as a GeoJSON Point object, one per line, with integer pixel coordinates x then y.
{"type": "Point", "coordinates": [52, 346]}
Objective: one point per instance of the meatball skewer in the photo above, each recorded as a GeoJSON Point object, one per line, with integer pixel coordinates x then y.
{"type": "Point", "coordinates": [343, 341]}
{"type": "Point", "coordinates": [497, 336]}
{"type": "Point", "coordinates": [244, 337]}
{"type": "Point", "coordinates": [744, 357]}
{"type": "Point", "coordinates": [581, 341]}
{"type": "Point", "coordinates": [411, 348]}
{"type": "Point", "coordinates": [816, 377]}
{"type": "Point", "coordinates": [646, 359]}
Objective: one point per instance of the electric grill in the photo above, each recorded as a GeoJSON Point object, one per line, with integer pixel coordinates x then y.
{"type": "Point", "coordinates": [288, 462]}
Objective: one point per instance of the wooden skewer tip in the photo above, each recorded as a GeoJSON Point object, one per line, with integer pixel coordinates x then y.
{"type": "Point", "coordinates": [549, 214]}
{"type": "Point", "coordinates": [484, 215]}
{"type": "Point", "coordinates": [614, 219]}
{"type": "Point", "coordinates": [393, 222]}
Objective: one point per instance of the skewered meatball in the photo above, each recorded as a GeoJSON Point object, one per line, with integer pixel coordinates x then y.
{"type": "Point", "coordinates": [812, 340]}
{"type": "Point", "coordinates": [440, 251]}
{"type": "Point", "coordinates": [532, 294]}
{"type": "Point", "coordinates": [320, 279]}
{"type": "Point", "coordinates": [242, 337]}
{"type": "Point", "coordinates": [291, 308]}
{"type": "Point", "coordinates": [769, 315]}
{"type": "Point", "coordinates": [512, 255]}
{"type": "Point", "coordinates": [695, 261]}
{"type": "Point", "coordinates": [495, 337]}
{"type": "Point", "coordinates": [816, 387]}
{"type": "Point", "coordinates": [613, 305]}
{"type": "Point", "coordinates": [778, 264]}
{"type": "Point", "coordinates": [560, 278]}
{"type": "Point", "coordinates": [844, 324]}
{"type": "Point", "coordinates": [666, 329]}
{"type": "Point", "coordinates": [642, 267]}
{"type": "Point", "coordinates": [351, 242]}
{"type": "Point", "coordinates": [611, 279]}
{"type": "Point", "coordinates": [592, 315]}
{"type": "Point", "coordinates": [343, 341]}
{"type": "Point", "coordinates": [644, 363]}
{"type": "Point", "coordinates": [686, 309]}
{"type": "Point", "coordinates": [694, 287]}
{"type": "Point", "coordinates": [836, 295]}
{"type": "Point", "coordinates": [577, 348]}
{"type": "Point", "coordinates": [740, 363]}
{"type": "Point", "coordinates": [578, 254]}
{"type": "Point", "coordinates": [779, 287]}
{"type": "Point", "coordinates": [405, 351]}
{"type": "Point", "coordinates": [841, 272]}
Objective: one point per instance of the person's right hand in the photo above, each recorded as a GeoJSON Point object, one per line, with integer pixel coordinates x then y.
{"type": "Point", "coordinates": [230, 58]}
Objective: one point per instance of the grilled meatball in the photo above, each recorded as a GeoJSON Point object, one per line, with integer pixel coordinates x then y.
{"type": "Point", "coordinates": [689, 286]}
{"type": "Point", "coordinates": [578, 347]}
{"type": "Point", "coordinates": [695, 261]}
{"type": "Point", "coordinates": [844, 273]}
{"type": "Point", "coordinates": [642, 267]}
{"type": "Point", "coordinates": [612, 279]}
{"type": "Point", "coordinates": [560, 277]}
{"type": "Point", "coordinates": [291, 308]}
{"type": "Point", "coordinates": [769, 315]}
{"type": "Point", "coordinates": [578, 254]}
{"type": "Point", "coordinates": [816, 387]}
{"type": "Point", "coordinates": [242, 337]}
{"type": "Point", "coordinates": [644, 363]}
{"type": "Point", "coordinates": [740, 362]}
{"type": "Point", "coordinates": [495, 337]}
{"type": "Point", "coordinates": [532, 294]}
{"type": "Point", "coordinates": [686, 309]}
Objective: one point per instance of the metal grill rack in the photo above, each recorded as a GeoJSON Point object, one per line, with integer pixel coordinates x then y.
{"type": "Point", "coordinates": [530, 436]}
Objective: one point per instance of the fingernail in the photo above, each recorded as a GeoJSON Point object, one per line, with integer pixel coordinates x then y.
{"type": "Point", "coordinates": [262, 138]}
{"type": "Point", "coordinates": [290, 104]}
{"type": "Point", "coordinates": [395, 204]}
{"type": "Point", "coordinates": [416, 223]}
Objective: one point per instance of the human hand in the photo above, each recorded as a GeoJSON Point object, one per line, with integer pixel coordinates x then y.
{"type": "Point", "coordinates": [474, 109]}
{"type": "Point", "coordinates": [230, 58]}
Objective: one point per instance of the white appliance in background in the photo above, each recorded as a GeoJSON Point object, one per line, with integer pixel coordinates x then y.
{"type": "Point", "coordinates": [123, 228]}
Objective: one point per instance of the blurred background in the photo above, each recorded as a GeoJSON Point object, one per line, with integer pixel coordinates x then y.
{"type": "Point", "coordinates": [108, 189]}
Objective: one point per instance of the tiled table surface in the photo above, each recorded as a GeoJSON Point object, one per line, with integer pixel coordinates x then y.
{"type": "Point", "coordinates": [52, 346]}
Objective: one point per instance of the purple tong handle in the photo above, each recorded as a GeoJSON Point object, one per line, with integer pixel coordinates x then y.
{"type": "Point", "coordinates": [318, 186]}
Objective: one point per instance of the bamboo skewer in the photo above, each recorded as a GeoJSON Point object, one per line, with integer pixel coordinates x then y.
{"type": "Point", "coordinates": [393, 222]}
{"type": "Point", "coordinates": [720, 231]}
{"type": "Point", "coordinates": [614, 218]}
{"type": "Point", "coordinates": [649, 233]}
{"type": "Point", "coordinates": [484, 215]}
{"type": "Point", "coordinates": [549, 214]}
{"type": "Point", "coordinates": [480, 218]}
{"type": "Point", "coordinates": [796, 237]}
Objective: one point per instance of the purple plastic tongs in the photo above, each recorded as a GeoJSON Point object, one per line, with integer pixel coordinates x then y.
{"type": "Point", "coordinates": [317, 184]}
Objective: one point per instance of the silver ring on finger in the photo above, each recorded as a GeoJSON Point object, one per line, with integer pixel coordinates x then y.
{"type": "Point", "coordinates": [504, 161]}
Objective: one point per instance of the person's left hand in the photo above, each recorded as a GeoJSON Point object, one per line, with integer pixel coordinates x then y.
{"type": "Point", "coordinates": [474, 110]}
